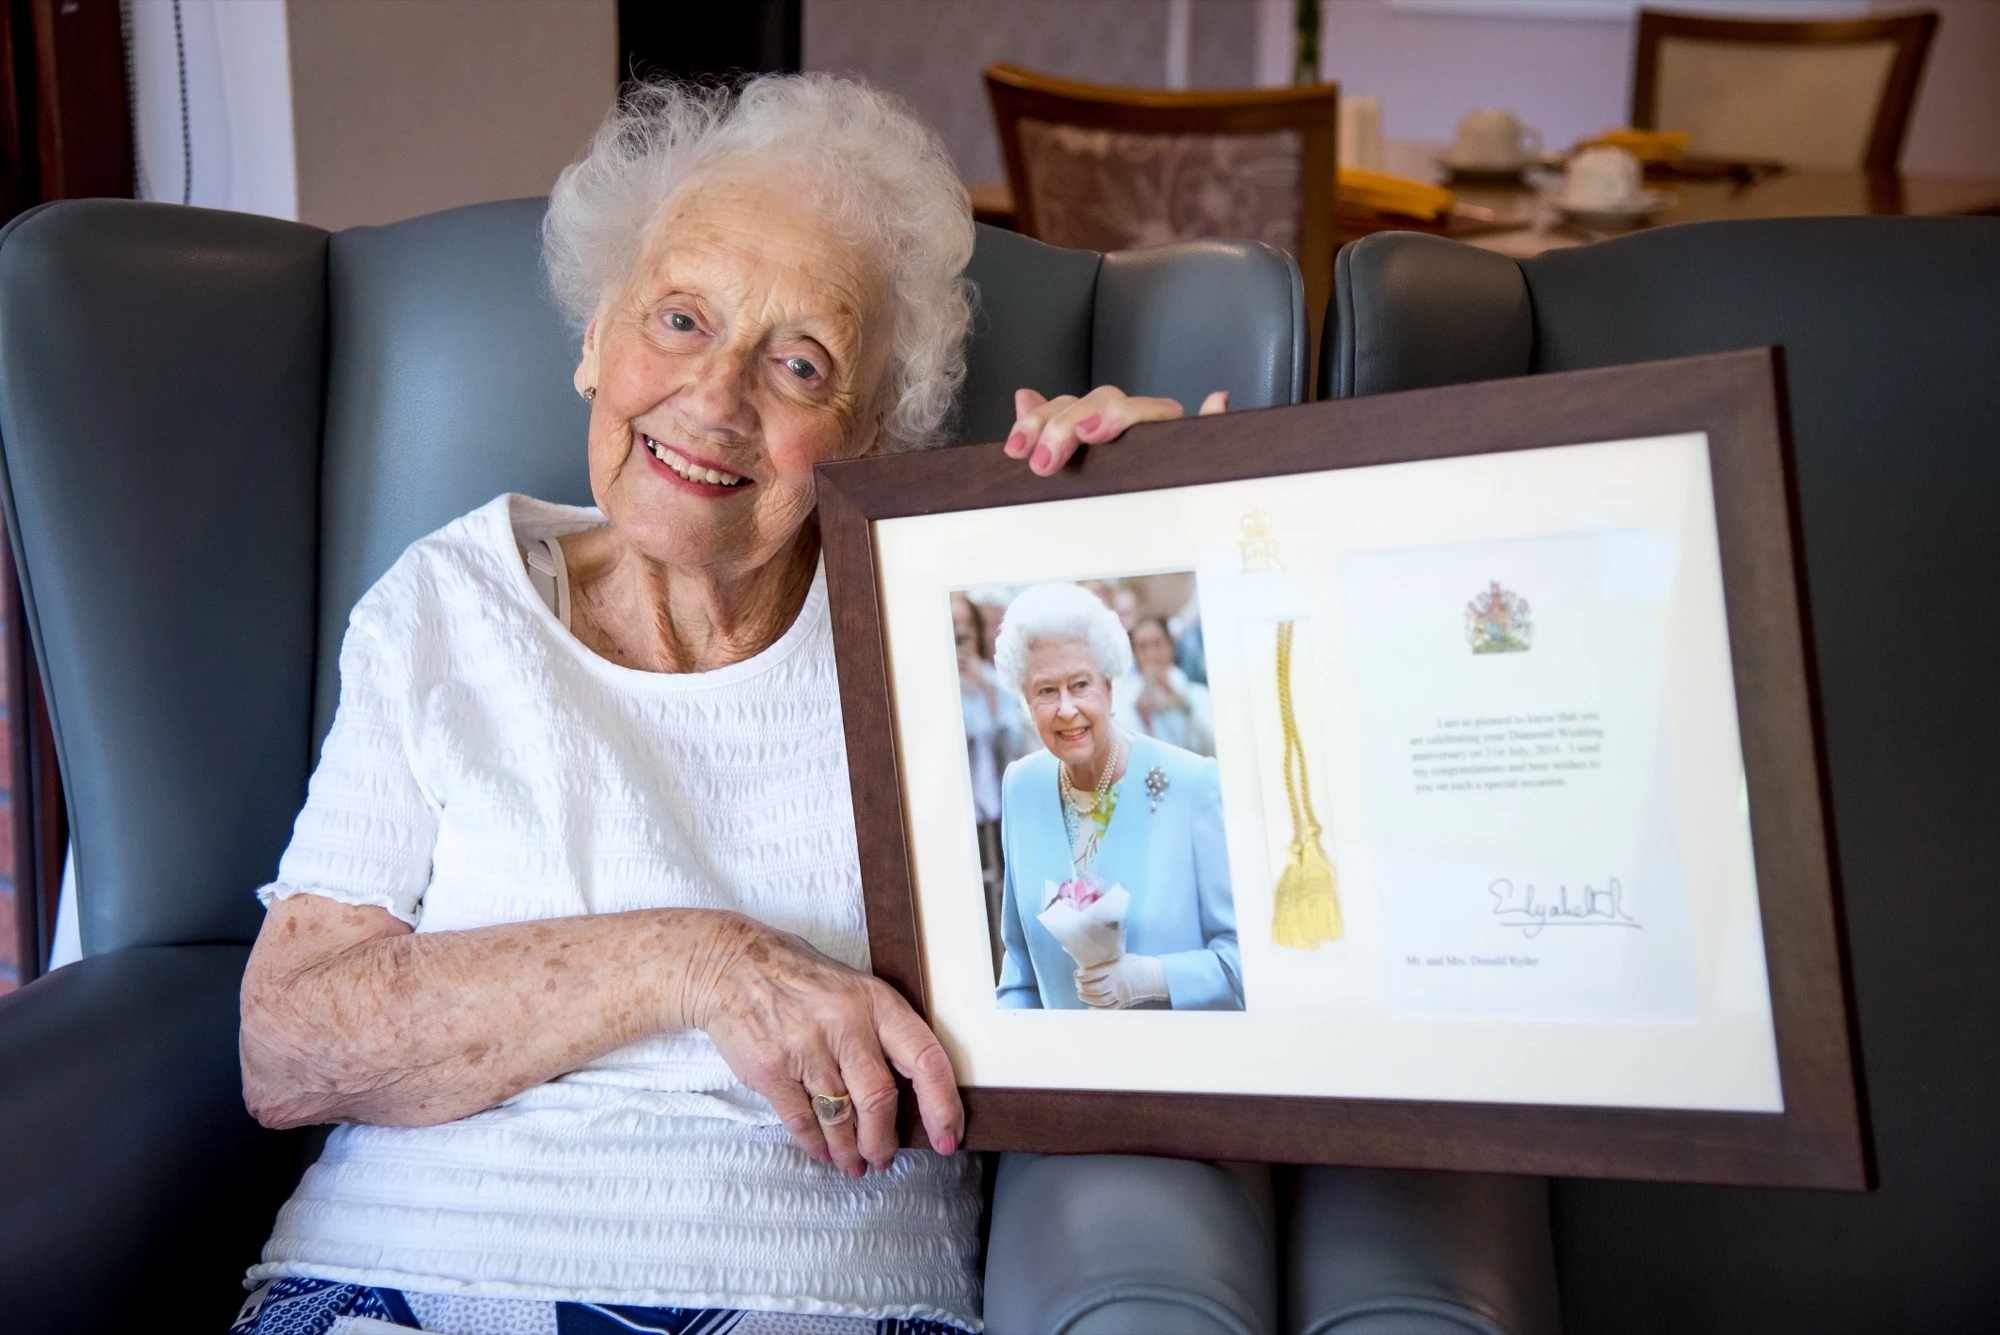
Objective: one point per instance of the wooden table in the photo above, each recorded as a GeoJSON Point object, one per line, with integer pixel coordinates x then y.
{"type": "Point", "coordinates": [1523, 226]}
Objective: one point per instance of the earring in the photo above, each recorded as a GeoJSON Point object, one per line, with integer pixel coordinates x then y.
{"type": "Point", "coordinates": [589, 394]}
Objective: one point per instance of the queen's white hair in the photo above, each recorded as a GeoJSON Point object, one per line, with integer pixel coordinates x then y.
{"type": "Point", "coordinates": [1059, 612]}
{"type": "Point", "coordinates": [881, 178]}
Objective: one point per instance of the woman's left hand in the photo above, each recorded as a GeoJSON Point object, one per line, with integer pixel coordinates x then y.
{"type": "Point", "coordinates": [1047, 431]}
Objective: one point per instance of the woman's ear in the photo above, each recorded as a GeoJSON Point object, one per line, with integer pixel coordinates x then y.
{"type": "Point", "coordinates": [586, 370]}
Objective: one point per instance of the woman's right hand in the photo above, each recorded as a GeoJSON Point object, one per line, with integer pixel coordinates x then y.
{"type": "Point", "coordinates": [793, 1023]}
{"type": "Point", "coordinates": [1047, 431]}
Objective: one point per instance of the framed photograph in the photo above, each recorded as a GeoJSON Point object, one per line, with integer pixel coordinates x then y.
{"type": "Point", "coordinates": [1427, 780]}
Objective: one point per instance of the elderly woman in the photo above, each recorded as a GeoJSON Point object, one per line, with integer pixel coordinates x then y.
{"type": "Point", "coordinates": [569, 936]}
{"type": "Point", "coordinates": [1099, 809]}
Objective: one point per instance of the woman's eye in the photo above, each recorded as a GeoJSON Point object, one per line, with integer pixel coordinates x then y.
{"type": "Point", "coordinates": [681, 322]}
{"type": "Point", "coordinates": [801, 368]}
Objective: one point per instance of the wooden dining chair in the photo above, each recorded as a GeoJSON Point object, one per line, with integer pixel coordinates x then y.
{"type": "Point", "coordinates": [1833, 94]}
{"type": "Point", "coordinates": [1098, 167]}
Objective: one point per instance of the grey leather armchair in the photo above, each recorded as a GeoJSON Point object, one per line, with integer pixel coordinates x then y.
{"type": "Point", "coordinates": [1891, 334]}
{"type": "Point", "coordinates": [217, 430]}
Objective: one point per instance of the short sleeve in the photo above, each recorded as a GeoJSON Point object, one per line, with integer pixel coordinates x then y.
{"type": "Point", "coordinates": [368, 830]}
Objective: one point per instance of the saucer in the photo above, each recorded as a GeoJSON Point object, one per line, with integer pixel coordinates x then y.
{"type": "Point", "coordinates": [1636, 209]}
{"type": "Point", "coordinates": [1485, 170]}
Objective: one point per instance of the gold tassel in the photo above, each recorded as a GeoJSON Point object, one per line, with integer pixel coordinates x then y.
{"type": "Point", "coordinates": [1308, 896]}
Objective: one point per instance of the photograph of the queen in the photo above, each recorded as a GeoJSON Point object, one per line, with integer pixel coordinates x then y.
{"type": "Point", "coordinates": [1116, 890]}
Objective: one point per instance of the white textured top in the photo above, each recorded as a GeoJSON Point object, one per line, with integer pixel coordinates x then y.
{"type": "Point", "coordinates": [485, 767]}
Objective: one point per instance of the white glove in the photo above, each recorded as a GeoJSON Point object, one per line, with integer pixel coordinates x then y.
{"type": "Point", "coordinates": [1126, 981]}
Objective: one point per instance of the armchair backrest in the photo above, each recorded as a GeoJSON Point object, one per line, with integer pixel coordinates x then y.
{"type": "Point", "coordinates": [447, 382]}
{"type": "Point", "coordinates": [1108, 167]}
{"type": "Point", "coordinates": [1891, 346]}
{"type": "Point", "coordinates": [161, 381]}
{"type": "Point", "coordinates": [218, 430]}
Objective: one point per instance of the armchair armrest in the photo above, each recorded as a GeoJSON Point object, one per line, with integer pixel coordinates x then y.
{"type": "Point", "coordinates": [128, 1165]}
{"type": "Point", "coordinates": [1107, 1244]}
{"type": "Point", "coordinates": [1381, 1252]}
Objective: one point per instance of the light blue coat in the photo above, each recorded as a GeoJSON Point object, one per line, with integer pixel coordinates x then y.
{"type": "Point", "coordinates": [1172, 861]}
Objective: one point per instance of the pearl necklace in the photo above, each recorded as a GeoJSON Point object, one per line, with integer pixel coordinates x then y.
{"type": "Point", "coordinates": [1069, 792]}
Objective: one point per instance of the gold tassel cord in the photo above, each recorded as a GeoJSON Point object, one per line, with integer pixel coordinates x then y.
{"type": "Point", "coordinates": [1308, 898]}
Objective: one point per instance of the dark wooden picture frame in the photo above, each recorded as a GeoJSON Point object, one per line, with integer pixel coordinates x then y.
{"type": "Point", "coordinates": [1821, 1137]}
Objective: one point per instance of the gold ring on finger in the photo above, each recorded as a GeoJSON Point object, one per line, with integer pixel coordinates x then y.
{"type": "Point", "coordinates": [831, 1109]}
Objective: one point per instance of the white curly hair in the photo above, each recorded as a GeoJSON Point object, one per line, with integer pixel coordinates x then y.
{"type": "Point", "coordinates": [1059, 612]}
{"type": "Point", "coordinates": [880, 176]}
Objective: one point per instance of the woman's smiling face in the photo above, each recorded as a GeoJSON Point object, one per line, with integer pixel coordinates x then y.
{"type": "Point", "coordinates": [1070, 700]}
{"type": "Point", "coordinates": [744, 351]}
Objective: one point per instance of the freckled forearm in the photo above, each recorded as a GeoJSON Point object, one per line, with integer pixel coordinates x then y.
{"type": "Point", "coordinates": [416, 1029]}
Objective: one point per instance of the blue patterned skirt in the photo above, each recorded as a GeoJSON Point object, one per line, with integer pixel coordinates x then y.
{"type": "Point", "coordinates": [328, 1307]}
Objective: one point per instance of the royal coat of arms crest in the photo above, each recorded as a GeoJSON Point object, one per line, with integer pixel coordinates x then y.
{"type": "Point", "coordinates": [1499, 621]}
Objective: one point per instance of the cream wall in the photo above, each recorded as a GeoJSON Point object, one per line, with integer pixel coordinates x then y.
{"type": "Point", "coordinates": [930, 52]}
{"type": "Point", "coordinates": [401, 107]}
{"type": "Point", "coordinates": [1565, 77]}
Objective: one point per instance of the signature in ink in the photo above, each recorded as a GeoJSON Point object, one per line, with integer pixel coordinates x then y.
{"type": "Point", "coordinates": [1529, 911]}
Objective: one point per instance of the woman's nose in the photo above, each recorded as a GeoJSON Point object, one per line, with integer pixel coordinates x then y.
{"type": "Point", "coordinates": [716, 399]}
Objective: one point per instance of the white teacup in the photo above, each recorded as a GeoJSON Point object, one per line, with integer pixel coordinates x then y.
{"type": "Point", "coordinates": [1361, 133]}
{"type": "Point", "coordinates": [1494, 137]}
{"type": "Point", "coordinates": [1601, 178]}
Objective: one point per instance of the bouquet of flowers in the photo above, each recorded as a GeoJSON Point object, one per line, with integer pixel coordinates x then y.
{"type": "Point", "coordinates": [1086, 919]}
